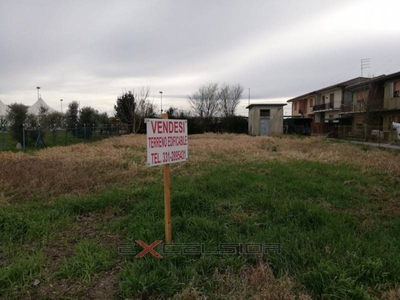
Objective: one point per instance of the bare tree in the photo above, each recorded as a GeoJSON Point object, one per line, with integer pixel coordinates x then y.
{"type": "Point", "coordinates": [142, 107]}
{"type": "Point", "coordinates": [369, 103]}
{"type": "Point", "coordinates": [206, 102]}
{"type": "Point", "coordinates": [373, 103]}
{"type": "Point", "coordinates": [230, 97]}
{"type": "Point", "coordinates": [133, 106]}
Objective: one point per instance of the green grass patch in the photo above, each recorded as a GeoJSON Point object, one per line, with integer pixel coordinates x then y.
{"type": "Point", "coordinates": [17, 277]}
{"type": "Point", "coordinates": [336, 238]}
{"type": "Point", "coordinates": [311, 209]}
{"type": "Point", "coordinates": [89, 259]}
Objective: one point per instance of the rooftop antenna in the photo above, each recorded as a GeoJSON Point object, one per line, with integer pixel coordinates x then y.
{"type": "Point", "coordinates": [365, 64]}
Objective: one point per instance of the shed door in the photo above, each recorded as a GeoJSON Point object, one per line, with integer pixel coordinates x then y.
{"type": "Point", "coordinates": [264, 126]}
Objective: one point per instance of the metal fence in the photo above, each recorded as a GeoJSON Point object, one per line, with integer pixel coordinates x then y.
{"type": "Point", "coordinates": [38, 138]}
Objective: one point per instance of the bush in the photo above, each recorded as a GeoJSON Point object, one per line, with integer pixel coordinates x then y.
{"type": "Point", "coordinates": [16, 116]}
{"type": "Point", "coordinates": [234, 124]}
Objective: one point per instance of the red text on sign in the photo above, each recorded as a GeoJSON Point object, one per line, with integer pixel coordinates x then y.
{"type": "Point", "coordinates": [167, 127]}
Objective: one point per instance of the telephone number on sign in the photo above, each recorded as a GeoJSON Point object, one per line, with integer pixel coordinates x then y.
{"type": "Point", "coordinates": [174, 156]}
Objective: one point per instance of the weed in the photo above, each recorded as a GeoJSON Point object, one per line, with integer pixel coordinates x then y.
{"type": "Point", "coordinates": [89, 259]}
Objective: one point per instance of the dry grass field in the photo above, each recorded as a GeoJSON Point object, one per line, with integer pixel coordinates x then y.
{"type": "Point", "coordinates": [333, 207]}
{"type": "Point", "coordinates": [87, 168]}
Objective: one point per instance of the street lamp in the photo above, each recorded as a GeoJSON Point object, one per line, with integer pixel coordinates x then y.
{"type": "Point", "coordinates": [61, 100]}
{"type": "Point", "coordinates": [38, 88]}
{"type": "Point", "coordinates": [161, 101]}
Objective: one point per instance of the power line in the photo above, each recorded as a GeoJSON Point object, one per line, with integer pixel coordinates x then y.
{"type": "Point", "coordinates": [329, 81]}
{"type": "Point", "coordinates": [391, 63]}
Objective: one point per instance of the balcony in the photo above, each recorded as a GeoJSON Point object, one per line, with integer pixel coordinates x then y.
{"type": "Point", "coordinates": [392, 103]}
{"type": "Point", "coordinates": [322, 107]}
{"type": "Point", "coordinates": [353, 107]}
{"type": "Point", "coordinates": [362, 106]}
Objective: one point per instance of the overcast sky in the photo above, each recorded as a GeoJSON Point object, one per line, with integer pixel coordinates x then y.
{"type": "Point", "coordinates": [92, 51]}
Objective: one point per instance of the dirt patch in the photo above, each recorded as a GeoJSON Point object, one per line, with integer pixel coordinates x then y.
{"type": "Point", "coordinates": [87, 227]}
{"type": "Point", "coordinates": [392, 294]}
{"type": "Point", "coordinates": [103, 286]}
{"type": "Point", "coordinates": [256, 282]}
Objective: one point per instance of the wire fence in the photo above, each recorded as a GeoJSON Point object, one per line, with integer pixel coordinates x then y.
{"type": "Point", "coordinates": [361, 133]}
{"type": "Point", "coordinates": [39, 138]}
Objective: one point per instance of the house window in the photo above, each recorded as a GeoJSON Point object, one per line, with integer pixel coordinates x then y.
{"type": "Point", "coordinates": [360, 96]}
{"type": "Point", "coordinates": [396, 89]}
{"type": "Point", "coordinates": [311, 102]}
{"type": "Point", "coordinates": [264, 113]}
{"type": "Point", "coordinates": [331, 98]}
{"type": "Point", "coordinates": [331, 117]}
{"type": "Point", "coordinates": [295, 106]}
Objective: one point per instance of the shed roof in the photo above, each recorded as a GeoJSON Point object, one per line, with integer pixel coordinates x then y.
{"type": "Point", "coordinates": [265, 104]}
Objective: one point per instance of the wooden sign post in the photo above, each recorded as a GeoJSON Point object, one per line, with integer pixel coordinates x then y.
{"type": "Point", "coordinates": [167, 142]}
{"type": "Point", "coordinates": [167, 198]}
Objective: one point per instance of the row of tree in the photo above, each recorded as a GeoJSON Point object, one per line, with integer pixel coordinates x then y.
{"type": "Point", "coordinates": [213, 100]}
{"type": "Point", "coordinates": [133, 107]}
{"type": "Point", "coordinates": [213, 110]}
{"type": "Point", "coordinates": [18, 117]}
{"type": "Point", "coordinates": [198, 125]}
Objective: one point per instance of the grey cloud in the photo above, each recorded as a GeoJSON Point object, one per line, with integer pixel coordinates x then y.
{"type": "Point", "coordinates": [93, 50]}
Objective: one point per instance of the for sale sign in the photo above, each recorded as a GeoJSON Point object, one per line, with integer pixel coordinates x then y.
{"type": "Point", "coordinates": [167, 141]}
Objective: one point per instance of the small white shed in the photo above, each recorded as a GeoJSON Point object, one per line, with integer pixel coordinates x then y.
{"type": "Point", "coordinates": [266, 119]}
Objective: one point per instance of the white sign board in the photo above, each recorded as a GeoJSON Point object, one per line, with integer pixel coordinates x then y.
{"type": "Point", "coordinates": [167, 141]}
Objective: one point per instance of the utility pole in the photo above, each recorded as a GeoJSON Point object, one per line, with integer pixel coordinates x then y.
{"type": "Point", "coordinates": [61, 100]}
{"type": "Point", "coordinates": [249, 96]}
{"type": "Point", "coordinates": [161, 101]}
{"type": "Point", "coordinates": [38, 88]}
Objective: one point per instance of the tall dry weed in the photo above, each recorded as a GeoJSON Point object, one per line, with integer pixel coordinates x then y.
{"type": "Point", "coordinates": [86, 168]}
{"type": "Point", "coordinates": [257, 282]}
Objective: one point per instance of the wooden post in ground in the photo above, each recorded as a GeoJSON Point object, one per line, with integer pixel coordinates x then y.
{"type": "Point", "coordinates": [167, 198]}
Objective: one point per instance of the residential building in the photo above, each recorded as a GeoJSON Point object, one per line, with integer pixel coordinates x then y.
{"type": "Point", "coordinates": [329, 101]}
{"type": "Point", "coordinates": [362, 105]}
{"type": "Point", "coordinates": [323, 105]}
{"type": "Point", "coordinates": [371, 107]}
{"type": "Point", "coordinates": [391, 100]}
{"type": "Point", "coordinates": [302, 105]}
